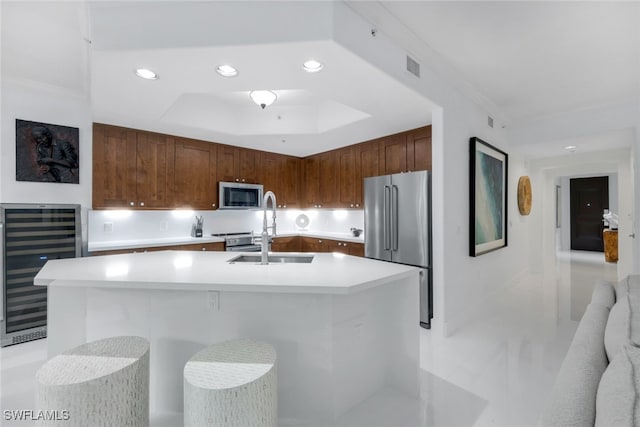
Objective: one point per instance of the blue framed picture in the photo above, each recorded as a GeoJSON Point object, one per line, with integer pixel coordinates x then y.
{"type": "Point", "coordinates": [487, 197]}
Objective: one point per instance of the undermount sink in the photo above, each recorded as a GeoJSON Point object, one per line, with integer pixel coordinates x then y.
{"type": "Point", "coordinates": [275, 259]}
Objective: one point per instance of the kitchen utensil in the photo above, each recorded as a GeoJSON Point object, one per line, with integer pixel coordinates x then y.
{"type": "Point", "coordinates": [356, 231]}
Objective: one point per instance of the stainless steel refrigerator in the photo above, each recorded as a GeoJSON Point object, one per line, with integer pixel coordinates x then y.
{"type": "Point", "coordinates": [397, 227]}
{"type": "Point", "coordinates": [31, 234]}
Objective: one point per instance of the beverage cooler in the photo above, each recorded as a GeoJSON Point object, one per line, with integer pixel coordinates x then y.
{"type": "Point", "coordinates": [31, 234]}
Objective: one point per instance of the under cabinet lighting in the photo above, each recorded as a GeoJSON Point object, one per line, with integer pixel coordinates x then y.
{"type": "Point", "coordinates": [117, 214]}
{"type": "Point", "coordinates": [340, 214]}
{"type": "Point", "coordinates": [146, 74]}
{"type": "Point", "coordinates": [182, 213]}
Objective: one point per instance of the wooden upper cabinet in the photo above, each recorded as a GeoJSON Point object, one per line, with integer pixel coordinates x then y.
{"type": "Point", "coordinates": [328, 185]}
{"type": "Point", "coordinates": [194, 176]}
{"type": "Point", "coordinates": [146, 170]}
{"type": "Point", "coordinates": [154, 160]}
{"type": "Point", "coordinates": [311, 182]}
{"type": "Point", "coordinates": [114, 166]}
{"type": "Point", "coordinates": [347, 177]}
{"type": "Point", "coordinates": [130, 168]}
{"type": "Point", "coordinates": [367, 165]}
{"type": "Point", "coordinates": [394, 154]}
{"type": "Point", "coordinates": [238, 164]}
{"type": "Point", "coordinates": [407, 151]}
{"type": "Point", "coordinates": [292, 182]}
{"type": "Point", "coordinates": [282, 175]}
{"type": "Point", "coordinates": [419, 149]}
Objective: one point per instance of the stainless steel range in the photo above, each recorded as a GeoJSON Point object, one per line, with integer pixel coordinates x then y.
{"type": "Point", "coordinates": [240, 242]}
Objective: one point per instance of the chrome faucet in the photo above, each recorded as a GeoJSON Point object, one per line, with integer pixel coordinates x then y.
{"type": "Point", "coordinates": [264, 241]}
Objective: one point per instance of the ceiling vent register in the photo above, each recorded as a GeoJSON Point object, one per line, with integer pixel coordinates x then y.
{"type": "Point", "coordinates": [413, 66]}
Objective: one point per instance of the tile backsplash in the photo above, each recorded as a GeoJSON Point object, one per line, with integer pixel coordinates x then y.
{"type": "Point", "coordinates": [114, 225]}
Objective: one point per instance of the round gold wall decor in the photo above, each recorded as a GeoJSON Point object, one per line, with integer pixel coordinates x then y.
{"type": "Point", "coordinates": [524, 195]}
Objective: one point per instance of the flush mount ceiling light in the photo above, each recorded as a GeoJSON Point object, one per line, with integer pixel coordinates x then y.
{"type": "Point", "coordinates": [263, 98]}
{"type": "Point", "coordinates": [312, 66]}
{"type": "Point", "coordinates": [226, 71]}
{"type": "Point", "coordinates": [146, 74]}
{"type": "Point", "coordinates": [570, 147]}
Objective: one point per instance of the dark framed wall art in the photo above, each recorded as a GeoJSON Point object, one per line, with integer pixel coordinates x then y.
{"type": "Point", "coordinates": [488, 172]}
{"type": "Point", "coordinates": [47, 152]}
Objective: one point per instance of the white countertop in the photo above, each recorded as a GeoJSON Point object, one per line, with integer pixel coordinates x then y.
{"type": "Point", "coordinates": [180, 270]}
{"type": "Point", "coordinates": [168, 241]}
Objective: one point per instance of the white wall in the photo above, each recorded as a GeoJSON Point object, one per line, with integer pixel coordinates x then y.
{"type": "Point", "coordinates": [21, 100]}
{"type": "Point", "coordinates": [463, 286]}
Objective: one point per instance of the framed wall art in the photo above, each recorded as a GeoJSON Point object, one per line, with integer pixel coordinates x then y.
{"type": "Point", "coordinates": [488, 169]}
{"type": "Point", "coordinates": [47, 152]}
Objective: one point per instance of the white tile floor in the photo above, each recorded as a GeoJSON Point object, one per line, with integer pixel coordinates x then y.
{"type": "Point", "coordinates": [494, 372]}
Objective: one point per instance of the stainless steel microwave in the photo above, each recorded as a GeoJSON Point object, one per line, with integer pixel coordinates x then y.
{"type": "Point", "coordinates": [235, 195]}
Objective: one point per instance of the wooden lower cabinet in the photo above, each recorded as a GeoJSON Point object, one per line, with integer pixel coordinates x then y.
{"type": "Point", "coordinates": [286, 244]}
{"type": "Point", "coordinates": [216, 246]}
{"type": "Point", "coordinates": [312, 244]}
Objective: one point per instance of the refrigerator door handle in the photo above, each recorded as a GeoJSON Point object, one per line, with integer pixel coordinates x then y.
{"type": "Point", "coordinates": [387, 217]}
{"type": "Point", "coordinates": [394, 215]}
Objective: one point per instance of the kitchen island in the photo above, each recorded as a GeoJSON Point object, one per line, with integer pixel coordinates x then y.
{"type": "Point", "coordinates": [344, 327]}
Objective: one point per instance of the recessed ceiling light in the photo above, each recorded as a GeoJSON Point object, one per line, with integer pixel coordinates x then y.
{"type": "Point", "coordinates": [312, 66]}
{"type": "Point", "coordinates": [146, 74]}
{"type": "Point", "coordinates": [570, 147]}
{"type": "Point", "coordinates": [226, 71]}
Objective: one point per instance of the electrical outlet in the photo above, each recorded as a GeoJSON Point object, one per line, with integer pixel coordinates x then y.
{"type": "Point", "coordinates": [108, 227]}
{"type": "Point", "coordinates": [213, 300]}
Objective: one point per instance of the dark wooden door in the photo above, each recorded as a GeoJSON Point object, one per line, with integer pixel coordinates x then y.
{"type": "Point", "coordinates": [589, 198]}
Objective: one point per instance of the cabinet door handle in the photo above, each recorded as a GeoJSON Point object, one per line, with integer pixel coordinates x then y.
{"type": "Point", "coordinates": [339, 243]}
{"type": "Point", "coordinates": [351, 205]}
{"type": "Point", "coordinates": [344, 244]}
{"type": "Point", "coordinates": [284, 206]}
{"type": "Point", "coordinates": [213, 205]}
{"type": "Point", "coordinates": [242, 179]}
{"type": "Point", "coordinates": [319, 241]}
{"type": "Point", "coordinates": [141, 203]}
{"type": "Point", "coordinates": [132, 203]}
{"type": "Point", "coordinates": [357, 205]}
{"type": "Point", "coordinates": [204, 249]}
{"type": "Point", "coordinates": [237, 180]}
